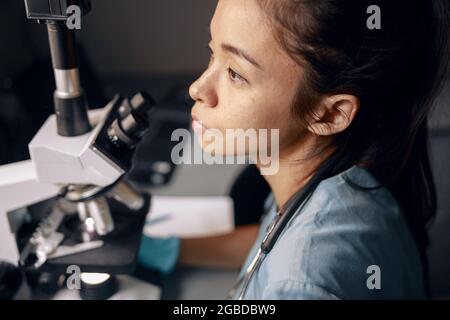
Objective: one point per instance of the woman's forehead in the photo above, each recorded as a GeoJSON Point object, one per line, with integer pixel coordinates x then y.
{"type": "Point", "coordinates": [243, 24]}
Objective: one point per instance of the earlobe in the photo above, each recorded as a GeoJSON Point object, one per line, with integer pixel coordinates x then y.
{"type": "Point", "coordinates": [334, 115]}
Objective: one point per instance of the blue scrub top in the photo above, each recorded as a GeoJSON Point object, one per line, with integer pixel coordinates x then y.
{"type": "Point", "coordinates": [345, 243]}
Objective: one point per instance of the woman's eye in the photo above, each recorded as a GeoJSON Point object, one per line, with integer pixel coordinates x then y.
{"type": "Point", "coordinates": [211, 59]}
{"type": "Point", "coordinates": [235, 77]}
{"type": "Point", "coordinates": [211, 56]}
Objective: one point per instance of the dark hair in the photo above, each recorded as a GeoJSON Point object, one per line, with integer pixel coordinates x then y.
{"type": "Point", "coordinates": [396, 72]}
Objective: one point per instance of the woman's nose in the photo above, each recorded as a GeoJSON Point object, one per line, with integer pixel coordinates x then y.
{"type": "Point", "coordinates": [203, 91]}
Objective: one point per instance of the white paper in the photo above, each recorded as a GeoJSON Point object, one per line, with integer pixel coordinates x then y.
{"type": "Point", "coordinates": [189, 217]}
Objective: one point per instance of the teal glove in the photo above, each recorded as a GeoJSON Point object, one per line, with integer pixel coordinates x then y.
{"type": "Point", "coordinates": [159, 254]}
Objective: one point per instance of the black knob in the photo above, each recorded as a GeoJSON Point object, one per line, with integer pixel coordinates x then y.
{"type": "Point", "coordinates": [142, 103]}
{"type": "Point", "coordinates": [136, 122]}
{"type": "Point", "coordinates": [10, 280]}
{"type": "Point", "coordinates": [132, 123]}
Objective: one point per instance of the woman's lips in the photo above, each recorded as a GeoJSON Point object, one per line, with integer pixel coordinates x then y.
{"type": "Point", "coordinates": [198, 127]}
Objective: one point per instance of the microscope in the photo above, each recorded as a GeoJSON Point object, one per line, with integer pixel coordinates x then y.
{"type": "Point", "coordinates": [70, 203]}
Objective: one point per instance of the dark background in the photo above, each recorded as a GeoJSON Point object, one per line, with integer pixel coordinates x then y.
{"type": "Point", "coordinates": [159, 46]}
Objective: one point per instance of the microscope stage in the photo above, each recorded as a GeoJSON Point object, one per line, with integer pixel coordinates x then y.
{"type": "Point", "coordinates": [118, 255]}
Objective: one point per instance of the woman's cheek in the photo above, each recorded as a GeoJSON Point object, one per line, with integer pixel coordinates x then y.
{"type": "Point", "coordinates": [236, 114]}
{"type": "Point", "coordinates": [244, 107]}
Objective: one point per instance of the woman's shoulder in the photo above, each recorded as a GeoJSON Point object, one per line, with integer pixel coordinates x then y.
{"type": "Point", "coordinates": [340, 233]}
{"type": "Point", "coordinates": [354, 196]}
{"type": "Point", "coordinates": [349, 207]}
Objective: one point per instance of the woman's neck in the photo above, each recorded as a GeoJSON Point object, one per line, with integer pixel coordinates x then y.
{"type": "Point", "coordinates": [296, 167]}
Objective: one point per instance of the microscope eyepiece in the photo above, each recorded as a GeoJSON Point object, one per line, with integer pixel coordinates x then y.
{"type": "Point", "coordinates": [132, 122]}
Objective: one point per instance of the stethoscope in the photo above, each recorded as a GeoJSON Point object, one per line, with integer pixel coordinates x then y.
{"type": "Point", "coordinates": [276, 227]}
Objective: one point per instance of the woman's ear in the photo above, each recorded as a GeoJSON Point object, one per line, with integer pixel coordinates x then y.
{"type": "Point", "coordinates": [334, 114]}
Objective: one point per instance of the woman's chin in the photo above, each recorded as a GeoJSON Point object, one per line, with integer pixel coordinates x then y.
{"type": "Point", "coordinates": [209, 149]}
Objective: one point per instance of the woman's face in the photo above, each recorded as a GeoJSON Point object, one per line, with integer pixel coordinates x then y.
{"type": "Point", "coordinates": [250, 82]}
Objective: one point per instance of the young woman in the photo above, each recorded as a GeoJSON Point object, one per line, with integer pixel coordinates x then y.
{"type": "Point", "coordinates": [338, 91]}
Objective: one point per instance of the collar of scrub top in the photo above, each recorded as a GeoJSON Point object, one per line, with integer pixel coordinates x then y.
{"type": "Point", "coordinates": [295, 203]}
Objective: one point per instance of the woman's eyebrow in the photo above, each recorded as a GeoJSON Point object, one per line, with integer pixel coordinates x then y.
{"type": "Point", "coordinates": [242, 54]}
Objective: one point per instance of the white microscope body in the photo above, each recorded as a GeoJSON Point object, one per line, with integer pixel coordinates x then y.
{"type": "Point", "coordinates": [56, 161]}
{"type": "Point", "coordinates": [77, 155]}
